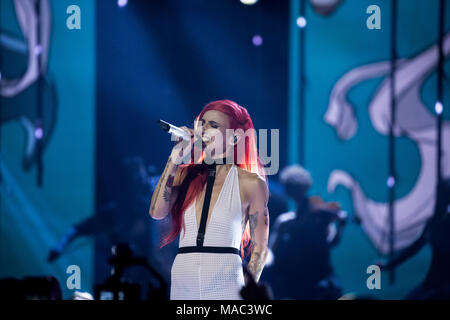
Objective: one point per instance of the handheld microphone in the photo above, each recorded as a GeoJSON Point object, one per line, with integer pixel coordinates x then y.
{"type": "Point", "coordinates": [177, 132]}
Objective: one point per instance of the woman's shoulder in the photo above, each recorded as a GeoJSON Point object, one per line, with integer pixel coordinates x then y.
{"type": "Point", "coordinates": [249, 177]}
{"type": "Point", "coordinates": [251, 182]}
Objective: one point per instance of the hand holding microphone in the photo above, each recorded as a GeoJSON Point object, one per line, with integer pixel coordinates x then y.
{"type": "Point", "coordinates": [184, 134]}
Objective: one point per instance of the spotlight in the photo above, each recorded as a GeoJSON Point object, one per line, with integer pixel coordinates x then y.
{"type": "Point", "coordinates": [301, 22]}
{"type": "Point", "coordinates": [257, 40]}
{"type": "Point", "coordinates": [122, 3]}
{"type": "Point", "coordinates": [38, 50]}
{"type": "Point", "coordinates": [390, 182]}
{"type": "Point", "coordinates": [38, 133]}
{"type": "Point", "coordinates": [438, 107]}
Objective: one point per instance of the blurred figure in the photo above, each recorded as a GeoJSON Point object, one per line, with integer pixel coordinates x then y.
{"type": "Point", "coordinates": [278, 202]}
{"type": "Point", "coordinates": [436, 284]}
{"type": "Point", "coordinates": [119, 219]}
{"type": "Point", "coordinates": [301, 242]}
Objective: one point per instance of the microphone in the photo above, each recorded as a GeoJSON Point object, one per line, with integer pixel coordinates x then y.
{"type": "Point", "coordinates": [176, 131]}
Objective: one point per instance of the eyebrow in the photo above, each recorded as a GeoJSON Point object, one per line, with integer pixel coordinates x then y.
{"type": "Point", "coordinates": [211, 122]}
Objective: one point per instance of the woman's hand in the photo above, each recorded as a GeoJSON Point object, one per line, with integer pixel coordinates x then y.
{"type": "Point", "coordinates": [180, 146]}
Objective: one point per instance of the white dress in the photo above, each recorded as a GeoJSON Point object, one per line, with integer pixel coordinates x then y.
{"type": "Point", "coordinates": [211, 275]}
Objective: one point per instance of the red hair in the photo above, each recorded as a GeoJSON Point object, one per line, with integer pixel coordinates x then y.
{"type": "Point", "coordinates": [195, 177]}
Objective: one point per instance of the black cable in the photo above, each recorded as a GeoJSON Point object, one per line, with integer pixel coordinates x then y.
{"type": "Point", "coordinates": [39, 122]}
{"type": "Point", "coordinates": [392, 172]}
{"type": "Point", "coordinates": [1, 126]}
{"type": "Point", "coordinates": [302, 85]}
{"type": "Point", "coordinates": [439, 98]}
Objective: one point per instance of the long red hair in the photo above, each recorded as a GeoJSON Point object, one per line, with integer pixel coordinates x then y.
{"type": "Point", "coordinates": [195, 177]}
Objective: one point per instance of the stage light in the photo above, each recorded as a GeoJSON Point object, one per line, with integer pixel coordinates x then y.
{"type": "Point", "coordinates": [301, 22]}
{"type": "Point", "coordinates": [38, 50]}
{"type": "Point", "coordinates": [249, 2]}
{"type": "Point", "coordinates": [38, 133]}
{"type": "Point", "coordinates": [257, 40]}
{"type": "Point", "coordinates": [122, 3]}
{"type": "Point", "coordinates": [0, 76]}
{"type": "Point", "coordinates": [438, 107]}
{"type": "Point", "coordinates": [390, 182]}
{"type": "Point", "coordinates": [82, 296]}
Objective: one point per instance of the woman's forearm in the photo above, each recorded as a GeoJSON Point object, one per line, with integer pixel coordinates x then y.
{"type": "Point", "coordinates": [163, 195]}
{"type": "Point", "coordinates": [257, 260]}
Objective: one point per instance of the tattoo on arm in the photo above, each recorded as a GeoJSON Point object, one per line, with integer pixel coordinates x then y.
{"type": "Point", "coordinates": [253, 264]}
{"type": "Point", "coordinates": [253, 219]}
{"type": "Point", "coordinates": [256, 262]}
{"type": "Point", "coordinates": [243, 222]}
{"type": "Point", "coordinates": [167, 191]}
{"type": "Point", "coordinates": [259, 233]}
{"type": "Point", "coordinates": [169, 182]}
{"type": "Point", "coordinates": [158, 189]}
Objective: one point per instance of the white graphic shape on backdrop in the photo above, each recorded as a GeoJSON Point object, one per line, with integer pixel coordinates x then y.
{"type": "Point", "coordinates": [413, 120]}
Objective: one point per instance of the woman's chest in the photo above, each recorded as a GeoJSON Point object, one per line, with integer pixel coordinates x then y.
{"type": "Point", "coordinates": [226, 201]}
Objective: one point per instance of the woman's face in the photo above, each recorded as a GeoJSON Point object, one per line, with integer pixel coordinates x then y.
{"type": "Point", "coordinates": [213, 130]}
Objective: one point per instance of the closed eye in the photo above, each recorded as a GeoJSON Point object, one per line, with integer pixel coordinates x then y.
{"type": "Point", "coordinates": [212, 123]}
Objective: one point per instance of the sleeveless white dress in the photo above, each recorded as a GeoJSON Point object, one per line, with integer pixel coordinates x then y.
{"type": "Point", "coordinates": [207, 275]}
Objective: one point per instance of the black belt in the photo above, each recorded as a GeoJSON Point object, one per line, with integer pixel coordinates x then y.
{"type": "Point", "coordinates": [201, 230]}
{"type": "Point", "coordinates": [209, 249]}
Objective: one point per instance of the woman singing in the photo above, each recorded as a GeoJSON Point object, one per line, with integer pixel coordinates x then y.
{"type": "Point", "coordinates": [216, 208]}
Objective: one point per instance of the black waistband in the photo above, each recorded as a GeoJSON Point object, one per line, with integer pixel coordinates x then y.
{"type": "Point", "coordinates": [209, 249]}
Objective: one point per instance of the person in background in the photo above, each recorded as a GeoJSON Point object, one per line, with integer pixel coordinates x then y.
{"type": "Point", "coordinates": [301, 241]}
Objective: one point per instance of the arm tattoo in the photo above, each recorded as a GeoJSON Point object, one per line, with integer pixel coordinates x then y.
{"type": "Point", "coordinates": [253, 219]}
{"type": "Point", "coordinates": [243, 222]}
{"type": "Point", "coordinates": [167, 191]}
{"type": "Point", "coordinates": [259, 243]}
{"type": "Point", "coordinates": [253, 265]}
{"type": "Point", "coordinates": [256, 262]}
{"type": "Point", "coordinates": [169, 182]}
{"type": "Point", "coordinates": [159, 185]}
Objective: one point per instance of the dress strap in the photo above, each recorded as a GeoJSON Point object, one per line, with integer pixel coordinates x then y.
{"type": "Point", "coordinates": [205, 210]}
